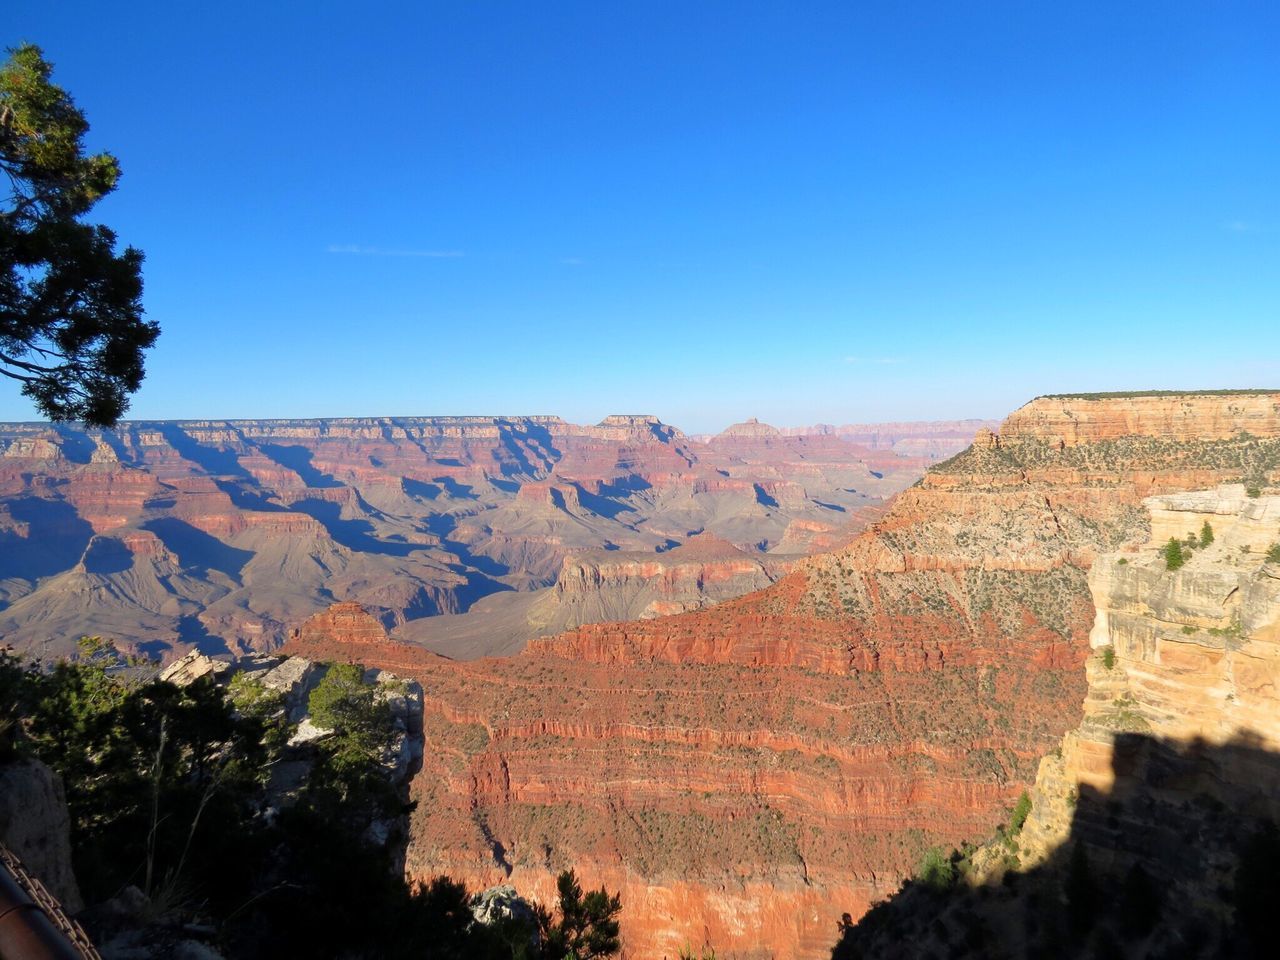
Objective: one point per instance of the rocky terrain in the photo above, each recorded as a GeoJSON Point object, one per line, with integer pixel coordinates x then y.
{"type": "Point", "coordinates": [748, 773]}
{"type": "Point", "coordinates": [1158, 811]}
{"type": "Point", "coordinates": [224, 535]}
{"type": "Point", "coordinates": [604, 585]}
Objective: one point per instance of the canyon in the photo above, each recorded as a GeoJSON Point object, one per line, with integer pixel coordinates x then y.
{"type": "Point", "coordinates": [748, 773]}
{"type": "Point", "coordinates": [695, 682]}
{"type": "Point", "coordinates": [468, 534]}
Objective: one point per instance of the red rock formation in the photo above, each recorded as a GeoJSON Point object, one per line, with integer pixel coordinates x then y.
{"type": "Point", "coordinates": [1172, 773]}
{"type": "Point", "coordinates": [342, 623]}
{"type": "Point", "coordinates": [263, 523]}
{"type": "Point", "coordinates": [748, 773]}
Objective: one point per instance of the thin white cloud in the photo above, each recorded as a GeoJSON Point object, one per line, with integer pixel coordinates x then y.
{"type": "Point", "coordinates": [1241, 226]}
{"type": "Point", "coordinates": [878, 361]}
{"type": "Point", "coordinates": [385, 252]}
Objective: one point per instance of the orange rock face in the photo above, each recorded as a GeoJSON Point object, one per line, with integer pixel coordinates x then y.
{"type": "Point", "coordinates": [1192, 416]}
{"type": "Point", "coordinates": [346, 623]}
{"type": "Point", "coordinates": [747, 773]}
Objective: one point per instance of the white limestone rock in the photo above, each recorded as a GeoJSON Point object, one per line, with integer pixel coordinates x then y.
{"type": "Point", "coordinates": [188, 669]}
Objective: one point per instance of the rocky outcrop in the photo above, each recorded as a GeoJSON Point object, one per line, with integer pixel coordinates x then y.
{"type": "Point", "coordinates": [189, 668]}
{"type": "Point", "coordinates": [1187, 656]}
{"type": "Point", "coordinates": [502, 905]}
{"type": "Point", "coordinates": [289, 681]}
{"type": "Point", "coordinates": [750, 428]}
{"type": "Point", "coordinates": [347, 623]}
{"type": "Point", "coordinates": [35, 825]}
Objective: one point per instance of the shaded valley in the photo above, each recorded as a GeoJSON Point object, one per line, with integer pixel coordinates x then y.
{"type": "Point", "coordinates": [468, 534]}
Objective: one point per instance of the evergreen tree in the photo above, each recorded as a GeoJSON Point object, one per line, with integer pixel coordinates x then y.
{"type": "Point", "coordinates": [588, 926]}
{"type": "Point", "coordinates": [71, 322]}
{"type": "Point", "coordinates": [1173, 555]}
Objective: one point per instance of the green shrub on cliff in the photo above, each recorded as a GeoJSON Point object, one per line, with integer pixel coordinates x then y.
{"type": "Point", "coordinates": [1173, 555]}
{"type": "Point", "coordinates": [1021, 811]}
{"type": "Point", "coordinates": [1206, 534]}
{"type": "Point", "coordinates": [936, 869]}
{"type": "Point", "coordinates": [1273, 554]}
{"type": "Point", "coordinates": [159, 779]}
{"type": "Point", "coordinates": [362, 726]}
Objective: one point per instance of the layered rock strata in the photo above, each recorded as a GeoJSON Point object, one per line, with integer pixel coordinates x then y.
{"type": "Point", "coordinates": [748, 773]}
{"type": "Point", "coordinates": [1153, 826]}
{"type": "Point", "coordinates": [223, 535]}
{"type": "Point", "coordinates": [1188, 656]}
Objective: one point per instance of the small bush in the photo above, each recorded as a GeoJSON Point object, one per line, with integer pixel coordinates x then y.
{"type": "Point", "coordinates": [1109, 657]}
{"type": "Point", "coordinates": [1273, 554]}
{"type": "Point", "coordinates": [1206, 534]}
{"type": "Point", "coordinates": [1122, 562]}
{"type": "Point", "coordinates": [1020, 812]}
{"type": "Point", "coordinates": [1253, 490]}
{"type": "Point", "coordinates": [936, 870]}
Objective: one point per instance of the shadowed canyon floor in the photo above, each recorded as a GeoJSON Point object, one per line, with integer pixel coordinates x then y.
{"type": "Point", "coordinates": [747, 773]}
{"type": "Point", "coordinates": [226, 534]}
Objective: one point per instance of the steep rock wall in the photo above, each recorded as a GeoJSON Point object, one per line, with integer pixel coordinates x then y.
{"type": "Point", "coordinates": [818, 734]}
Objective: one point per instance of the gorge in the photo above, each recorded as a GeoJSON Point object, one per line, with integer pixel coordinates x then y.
{"type": "Point", "coordinates": [771, 740]}
{"type": "Point", "coordinates": [748, 773]}
{"type": "Point", "coordinates": [224, 535]}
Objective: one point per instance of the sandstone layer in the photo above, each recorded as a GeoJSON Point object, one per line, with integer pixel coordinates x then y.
{"type": "Point", "coordinates": [1189, 656]}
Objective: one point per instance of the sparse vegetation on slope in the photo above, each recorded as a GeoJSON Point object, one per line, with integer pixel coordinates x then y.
{"type": "Point", "coordinates": [1131, 394]}
{"type": "Point", "coordinates": [168, 790]}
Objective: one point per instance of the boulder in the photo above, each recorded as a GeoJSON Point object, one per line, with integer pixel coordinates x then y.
{"type": "Point", "coordinates": [294, 678]}
{"type": "Point", "coordinates": [501, 904]}
{"type": "Point", "coordinates": [35, 825]}
{"type": "Point", "coordinates": [188, 669]}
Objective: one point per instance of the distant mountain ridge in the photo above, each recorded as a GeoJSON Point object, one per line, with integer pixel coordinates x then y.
{"type": "Point", "coordinates": [227, 533]}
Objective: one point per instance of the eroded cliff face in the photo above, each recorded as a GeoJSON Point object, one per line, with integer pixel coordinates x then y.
{"type": "Point", "coordinates": [748, 773]}
{"type": "Point", "coordinates": [1189, 656]}
{"type": "Point", "coordinates": [1153, 824]}
{"type": "Point", "coordinates": [1215, 416]}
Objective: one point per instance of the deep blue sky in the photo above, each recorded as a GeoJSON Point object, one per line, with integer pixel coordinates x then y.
{"type": "Point", "coordinates": [798, 211]}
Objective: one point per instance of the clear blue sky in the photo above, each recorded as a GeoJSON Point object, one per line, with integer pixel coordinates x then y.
{"type": "Point", "coordinates": [797, 211]}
